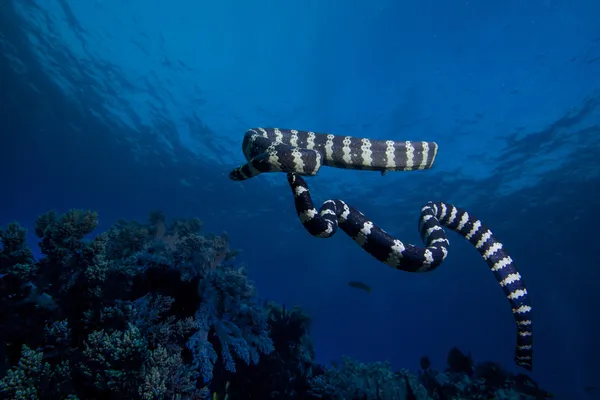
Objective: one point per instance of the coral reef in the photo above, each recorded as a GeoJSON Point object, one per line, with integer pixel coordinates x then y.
{"type": "Point", "coordinates": [464, 379]}
{"type": "Point", "coordinates": [159, 310]}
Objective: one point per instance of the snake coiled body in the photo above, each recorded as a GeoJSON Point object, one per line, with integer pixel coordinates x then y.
{"type": "Point", "coordinates": [279, 150]}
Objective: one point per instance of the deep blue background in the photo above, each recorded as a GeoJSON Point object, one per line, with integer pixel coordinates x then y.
{"type": "Point", "coordinates": [128, 106]}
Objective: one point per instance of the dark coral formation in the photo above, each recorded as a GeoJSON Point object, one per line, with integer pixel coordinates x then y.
{"type": "Point", "coordinates": [464, 379]}
{"type": "Point", "coordinates": [160, 311]}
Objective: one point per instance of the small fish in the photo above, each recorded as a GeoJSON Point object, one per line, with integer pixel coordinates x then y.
{"type": "Point", "coordinates": [360, 285]}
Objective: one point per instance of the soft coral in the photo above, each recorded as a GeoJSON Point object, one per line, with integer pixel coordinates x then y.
{"type": "Point", "coordinates": [229, 310]}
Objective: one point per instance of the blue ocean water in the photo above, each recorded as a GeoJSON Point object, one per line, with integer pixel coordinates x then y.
{"type": "Point", "coordinates": [124, 107]}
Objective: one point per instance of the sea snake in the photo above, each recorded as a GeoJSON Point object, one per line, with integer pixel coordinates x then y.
{"type": "Point", "coordinates": [302, 153]}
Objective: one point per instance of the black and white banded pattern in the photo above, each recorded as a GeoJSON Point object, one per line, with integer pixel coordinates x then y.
{"type": "Point", "coordinates": [304, 152]}
{"type": "Point", "coordinates": [324, 222]}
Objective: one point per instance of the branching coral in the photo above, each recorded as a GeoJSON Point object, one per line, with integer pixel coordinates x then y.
{"type": "Point", "coordinates": [16, 259]}
{"type": "Point", "coordinates": [124, 305]}
{"type": "Point", "coordinates": [71, 264]}
{"type": "Point", "coordinates": [33, 379]}
{"type": "Point", "coordinates": [112, 360]}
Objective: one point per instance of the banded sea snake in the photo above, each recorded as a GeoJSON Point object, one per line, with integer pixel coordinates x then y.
{"type": "Point", "coordinates": [303, 153]}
